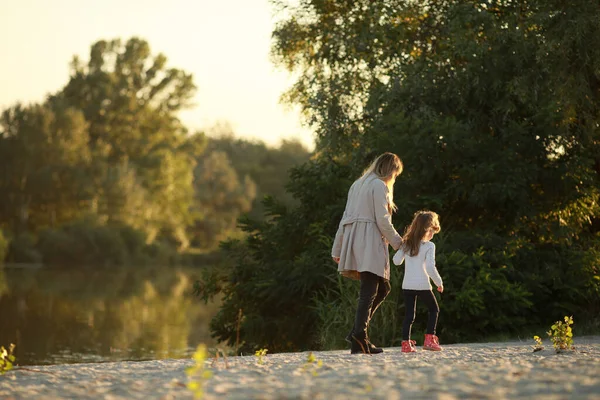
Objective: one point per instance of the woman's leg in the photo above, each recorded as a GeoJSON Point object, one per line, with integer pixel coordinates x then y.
{"type": "Point", "coordinates": [369, 283]}
{"type": "Point", "coordinates": [410, 305]}
{"type": "Point", "coordinates": [429, 299]}
{"type": "Point", "coordinates": [383, 290]}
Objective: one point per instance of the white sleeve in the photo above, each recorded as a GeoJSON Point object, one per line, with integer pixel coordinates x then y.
{"type": "Point", "coordinates": [399, 257]}
{"type": "Point", "coordinates": [430, 266]}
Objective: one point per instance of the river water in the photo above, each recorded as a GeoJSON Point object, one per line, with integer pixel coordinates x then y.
{"type": "Point", "coordinates": [83, 314]}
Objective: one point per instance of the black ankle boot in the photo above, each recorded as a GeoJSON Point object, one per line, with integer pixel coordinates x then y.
{"type": "Point", "coordinates": [372, 348]}
{"type": "Point", "coordinates": [359, 346]}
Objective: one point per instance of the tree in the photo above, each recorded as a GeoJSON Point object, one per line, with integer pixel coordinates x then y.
{"type": "Point", "coordinates": [493, 106]}
{"type": "Point", "coordinates": [268, 167]}
{"type": "Point", "coordinates": [221, 197]}
{"type": "Point", "coordinates": [45, 160]}
{"type": "Point", "coordinates": [130, 100]}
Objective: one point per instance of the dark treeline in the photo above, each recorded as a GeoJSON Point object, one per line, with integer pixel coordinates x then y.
{"type": "Point", "coordinates": [104, 172]}
{"type": "Point", "coordinates": [494, 107]}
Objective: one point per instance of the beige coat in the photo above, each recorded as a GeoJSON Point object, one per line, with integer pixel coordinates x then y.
{"type": "Point", "coordinates": [365, 230]}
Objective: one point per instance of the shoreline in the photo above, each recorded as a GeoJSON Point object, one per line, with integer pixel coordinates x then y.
{"type": "Point", "coordinates": [494, 370]}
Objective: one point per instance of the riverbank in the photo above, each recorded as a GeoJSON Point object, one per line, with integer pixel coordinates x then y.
{"type": "Point", "coordinates": [482, 370]}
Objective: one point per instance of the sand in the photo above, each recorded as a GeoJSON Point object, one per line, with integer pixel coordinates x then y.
{"type": "Point", "coordinates": [461, 371]}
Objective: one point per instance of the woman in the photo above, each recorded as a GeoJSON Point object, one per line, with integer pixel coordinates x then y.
{"type": "Point", "coordinates": [361, 243]}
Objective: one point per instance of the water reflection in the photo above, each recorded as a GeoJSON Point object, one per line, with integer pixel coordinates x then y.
{"type": "Point", "coordinates": [67, 315]}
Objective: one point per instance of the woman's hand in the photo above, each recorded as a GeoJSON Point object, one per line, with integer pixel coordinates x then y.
{"type": "Point", "coordinates": [336, 259]}
{"type": "Point", "coordinates": [440, 289]}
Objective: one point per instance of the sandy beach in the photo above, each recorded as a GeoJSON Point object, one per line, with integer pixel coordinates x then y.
{"type": "Point", "coordinates": [475, 371]}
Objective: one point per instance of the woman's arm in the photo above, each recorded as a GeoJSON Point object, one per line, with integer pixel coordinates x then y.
{"type": "Point", "coordinates": [383, 216]}
{"type": "Point", "coordinates": [336, 249]}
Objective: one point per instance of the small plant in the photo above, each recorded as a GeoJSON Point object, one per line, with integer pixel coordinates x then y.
{"type": "Point", "coordinates": [312, 364]}
{"type": "Point", "coordinates": [538, 344]}
{"type": "Point", "coordinates": [197, 373]}
{"type": "Point", "coordinates": [260, 354]}
{"type": "Point", "coordinates": [216, 359]}
{"type": "Point", "coordinates": [6, 359]}
{"type": "Point", "coordinates": [561, 335]}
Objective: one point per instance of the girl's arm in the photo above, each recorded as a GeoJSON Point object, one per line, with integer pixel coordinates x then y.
{"type": "Point", "coordinates": [383, 217]}
{"type": "Point", "coordinates": [398, 257]}
{"type": "Point", "coordinates": [430, 265]}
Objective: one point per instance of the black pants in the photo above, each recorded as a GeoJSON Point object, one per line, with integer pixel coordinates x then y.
{"type": "Point", "coordinates": [410, 303]}
{"type": "Point", "coordinates": [373, 290]}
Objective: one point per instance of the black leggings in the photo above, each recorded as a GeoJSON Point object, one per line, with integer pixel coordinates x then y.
{"type": "Point", "coordinates": [410, 303]}
{"type": "Point", "coordinates": [373, 290]}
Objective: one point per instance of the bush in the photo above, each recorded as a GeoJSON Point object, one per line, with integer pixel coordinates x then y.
{"type": "Point", "coordinates": [22, 249]}
{"type": "Point", "coordinates": [82, 242]}
{"type": "Point", "coordinates": [284, 262]}
{"type": "Point", "coordinates": [3, 247]}
{"type": "Point", "coordinates": [89, 242]}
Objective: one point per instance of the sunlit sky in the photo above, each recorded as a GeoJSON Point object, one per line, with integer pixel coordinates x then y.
{"type": "Point", "coordinates": [225, 44]}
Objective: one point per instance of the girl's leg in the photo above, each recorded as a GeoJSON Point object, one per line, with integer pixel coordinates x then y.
{"type": "Point", "coordinates": [429, 299]}
{"type": "Point", "coordinates": [410, 305]}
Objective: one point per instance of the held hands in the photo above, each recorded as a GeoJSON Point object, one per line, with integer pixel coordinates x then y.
{"type": "Point", "coordinates": [336, 259]}
{"type": "Point", "coordinates": [440, 289]}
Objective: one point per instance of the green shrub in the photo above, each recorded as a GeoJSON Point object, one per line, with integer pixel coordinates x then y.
{"type": "Point", "coordinates": [3, 247]}
{"type": "Point", "coordinates": [22, 249]}
{"type": "Point", "coordinates": [561, 335]}
{"type": "Point", "coordinates": [83, 242]}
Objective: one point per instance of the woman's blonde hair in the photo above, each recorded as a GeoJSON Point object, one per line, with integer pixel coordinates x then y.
{"type": "Point", "coordinates": [386, 166]}
{"type": "Point", "coordinates": [414, 234]}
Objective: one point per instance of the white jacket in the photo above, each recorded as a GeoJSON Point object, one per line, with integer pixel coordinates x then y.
{"type": "Point", "coordinates": [365, 230]}
{"type": "Point", "coordinates": [420, 268]}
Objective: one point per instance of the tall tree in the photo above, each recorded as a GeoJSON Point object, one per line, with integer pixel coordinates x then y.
{"type": "Point", "coordinates": [130, 100]}
{"type": "Point", "coordinates": [492, 105]}
{"type": "Point", "coordinates": [44, 163]}
{"type": "Point", "coordinates": [221, 197]}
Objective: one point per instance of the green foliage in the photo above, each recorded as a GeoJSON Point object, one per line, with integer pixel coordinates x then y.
{"type": "Point", "coordinates": [22, 249]}
{"type": "Point", "coordinates": [561, 335]}
{"type": "Point", "coordinates": [538, 344]}
{"type": "Point", "coordinates": [7, 359]}
{"type": "Point", "coordinates": [89, 242]}
{"type": "Point", "coordinates": [221, 197]}
{"type": "Point", "coordinates": [312, 364]}
{"type": "Point", "coordinates": [198, 374]}
{"type": "Point", "coordinates": [260, 355]}
{"type": "Point", "coordinates": [3, 246]}
{"type": "Point", "coordinates": [494, 109]}
{"type": "Point", "coordinates": [282, 264]}
{"type": "Point", "coordinates": [267, 167]}
{"type": "Point", "coordinates": [83, 241]}
{"type": "Point", "coordinates": [110, 145]}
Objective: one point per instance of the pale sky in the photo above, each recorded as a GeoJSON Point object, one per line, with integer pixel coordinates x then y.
{"type": "Point", "coordinates": [225, 44]}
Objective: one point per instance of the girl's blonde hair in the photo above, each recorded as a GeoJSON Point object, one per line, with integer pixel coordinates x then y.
{"type": "Point", "coordinates": [414, 234]}
{"type": "Point", "coordinates": [386, 166]}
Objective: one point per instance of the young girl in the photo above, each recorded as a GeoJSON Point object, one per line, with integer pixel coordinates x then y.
{"type": "Point", "coordinates": [418, 253]}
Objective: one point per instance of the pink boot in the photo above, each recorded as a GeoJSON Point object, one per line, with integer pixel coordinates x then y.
{"type": "Point", "coordinates": [408, 346]}
{"type": "Point", "coordinates": [431, 343]}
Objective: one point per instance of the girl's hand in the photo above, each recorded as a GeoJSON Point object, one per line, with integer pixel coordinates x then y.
{"type": "Point", "coordinates": [336, 259]}
{"type": "Point", "coordinates": [440, 289]}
